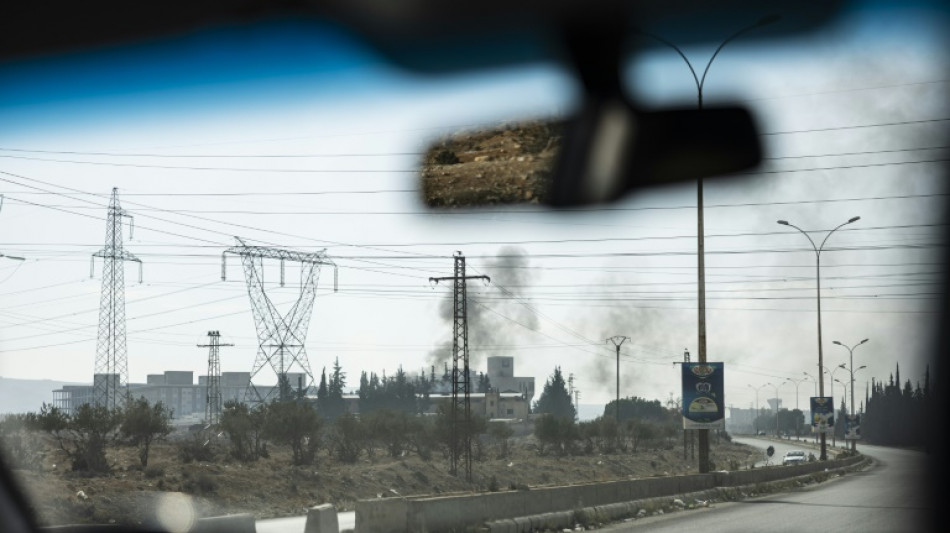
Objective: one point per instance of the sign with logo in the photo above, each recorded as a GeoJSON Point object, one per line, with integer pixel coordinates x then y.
{"type": "Point", "coordinates": [822, 414]}
{"type": "Point", "coordinates": [703, 399]}
{"type": "Point", "coordinates": [852, 427]}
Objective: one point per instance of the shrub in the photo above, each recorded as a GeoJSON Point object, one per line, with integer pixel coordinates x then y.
{"type": "Point", "coordinates": [197, 448]}
{"type": "Point", "coordinates": [142, 424]}
{"type": "Point", "coordinates": [154, 471]}
{"type": "Point", "coordinates": [446, 157]}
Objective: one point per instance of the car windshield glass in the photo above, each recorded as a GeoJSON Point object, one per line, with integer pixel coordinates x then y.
{"type": "Point", "coordinates": [273, 320]}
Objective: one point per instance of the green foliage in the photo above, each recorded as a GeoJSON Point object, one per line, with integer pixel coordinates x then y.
{"type": "Point", "coordinates": [554, 399]}
{"type": "Point", "coordinates": [389, 428]}
{"type": "Point", "coordinates": [244, 428]}
{"type": "Point", "coordinates": [446, 157]}
{"type": "Point", "coordinates": [500, 434]}
{"type": "Point", "coordinates": [556, 435]}
{"type": "Point", "coordinates": [330, 403]}
{"type": "Point", "coordinates": [638, 408]}
{"type": "Point", "coordinates": [397, 393]}
{"type": "Point", "coordinates": [18, 441]}
{"type": "Point", "coordinates": [143, 423]}
{"type": "Point", "coordinates": [83, 437]}
{"type": "Point", "coordinates": [347, 438]}
{"type": "Point", "coordinates": [898, 416]}
{"type": "Point", "coordinates": [197, 449]}
{"type": "Point", "coordinates": [294, 423]}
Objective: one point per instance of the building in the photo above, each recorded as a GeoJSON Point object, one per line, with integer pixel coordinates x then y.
{"type": "Point", "coordinates": [175, 388]}
{"type": "Point", "coordinates": [501, 374]}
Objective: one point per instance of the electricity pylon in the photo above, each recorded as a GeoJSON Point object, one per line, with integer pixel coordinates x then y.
{"type": "Point", "coordinates": [461, 379]}
{"type": "Point", "coordinates": [280, 336]}
{"type": "Point", "coordinates": [111, 374]}
{"type": "Point", "coordinates": [213, 396]}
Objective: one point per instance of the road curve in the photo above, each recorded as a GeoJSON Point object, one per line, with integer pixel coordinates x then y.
{"type": "Point", "coordinates": [891, 496]}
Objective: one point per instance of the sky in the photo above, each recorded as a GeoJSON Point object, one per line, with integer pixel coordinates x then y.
{"type": "Point", "coordinates": [307, 141]}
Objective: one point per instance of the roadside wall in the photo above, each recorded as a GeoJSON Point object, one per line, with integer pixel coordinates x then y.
{"type": "Point", "coordinates": [447, 513]}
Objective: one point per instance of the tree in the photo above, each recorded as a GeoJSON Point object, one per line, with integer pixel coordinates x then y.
{"type": "Point", "coordinates": [335, 404]}
{"type": "Point", "coordinates": [83, 437]}
{"type": "Point", "coordinates": [638, 408]}
{"type": "Point", "coordinates": [347, 438]}
{"type": "Point", "coordinates": [294, 423]}
{"type": "Point", "coordinates": [554, 399]}
{"type": "Point", "coordinates": [143, 423]}
{"type": "Point", "coordinates": [244, 428]}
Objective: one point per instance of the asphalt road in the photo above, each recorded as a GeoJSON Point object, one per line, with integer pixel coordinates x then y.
{"type": "Point", "coordinates": [297, 524]}
{"type": "Point", "coordinates": [888, 497]}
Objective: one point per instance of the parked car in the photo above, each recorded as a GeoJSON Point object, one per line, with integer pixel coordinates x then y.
{"type": "Point", "coordinates": [794, 457]}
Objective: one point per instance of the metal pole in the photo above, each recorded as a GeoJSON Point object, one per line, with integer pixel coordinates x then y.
{"type": "Point", "coordinates": [701, 264]}
{"type": "Point", "coordinates": [617, 340]}
{"type": "Point", "coordinates": [817, 249]}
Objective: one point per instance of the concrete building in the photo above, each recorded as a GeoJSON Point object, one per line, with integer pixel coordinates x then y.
{"type": "Point", "coordinates": [494, 405]}
{"type": "Point", "coordinates": [175, 388]}
{"type": "Point", "coordinates": [501, 373]}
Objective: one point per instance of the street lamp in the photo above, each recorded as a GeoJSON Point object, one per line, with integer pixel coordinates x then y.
{"type": "Point", "coordinates": [797, 382]}
{"type": "Point", "coordinates": [776, 404]}
{"type": "Point", "coordinates": [854, 444]}
{"type": "Point", "coordinates": [755, 419]}
{"type": "Point", "coordinates": [700, 232]}
{"type": "Point", "coordinates": [818, 249]}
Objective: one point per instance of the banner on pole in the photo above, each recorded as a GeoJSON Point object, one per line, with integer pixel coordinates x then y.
{"type": "Point", "coordinates": [703, 398]}
{"type": "Point", "coordinates": [852, 427]}
{"type": "Point", "coordinates": [822, 414]}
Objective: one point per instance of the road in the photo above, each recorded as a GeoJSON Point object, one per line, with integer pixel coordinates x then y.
{"type": "Point", "coordinates": [296, 524]}
{"type": "Point", "coordinates": [886, 498]}
{"type": "Point", "coordinates": [889, 497]}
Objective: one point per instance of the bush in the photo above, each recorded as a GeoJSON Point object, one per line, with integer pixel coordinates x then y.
{"type": "Point", "coordinates": [18, 442]}
{"type": "Point", "coordinates": [347, 439]}
{"type": "Point", "coordinates": [446, 157]}
{"type": "Point", "coordinates": [153, 471]}
{"type": "Point", "coordinates": [197, 449]}
{"type": "Point", "coordinates": [201, 483]}
{"type": "Point", "coordinates": [143, 423]}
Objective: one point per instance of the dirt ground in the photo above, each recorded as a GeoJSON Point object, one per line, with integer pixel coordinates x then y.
{"type": "Point", "coordinates": [510, 164]}
{"type": "Point", "coordinates": [271, 487]}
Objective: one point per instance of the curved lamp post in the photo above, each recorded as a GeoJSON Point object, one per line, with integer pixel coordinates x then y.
{"type": "Point", "coordinates": [854, 444]}
{"type": "Point", "coordinates": [700, 232]}
{"type": "Point", "coordinates": [755, 419]}
{"type": "Point", "coordinates": [776, 403]}
{"type": "Point", "coordinates": [818, 249]}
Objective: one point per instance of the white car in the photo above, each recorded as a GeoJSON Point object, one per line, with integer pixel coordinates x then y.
{"type": "Point", "coordinates": [794, 457]}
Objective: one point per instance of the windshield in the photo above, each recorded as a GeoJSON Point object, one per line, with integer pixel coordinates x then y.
{"type": "Point", "coordinates": [271, 314]}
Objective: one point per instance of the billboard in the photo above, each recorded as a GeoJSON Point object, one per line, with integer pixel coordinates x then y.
{"type": "Point", "coordinates": [852, 427]}
{"type": "Point", "coordinates": [703, 399]}
{"type": "Point", "coordinates": [822, 414]}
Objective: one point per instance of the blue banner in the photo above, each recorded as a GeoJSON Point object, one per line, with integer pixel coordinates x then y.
{"type": "Point", "coordinates": [822, 414]}
{"type": "Point", "coordinates": [704, 404]}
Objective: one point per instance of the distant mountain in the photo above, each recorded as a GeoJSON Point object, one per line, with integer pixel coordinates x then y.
{"type": "Point", "coordinates": [22, 395]}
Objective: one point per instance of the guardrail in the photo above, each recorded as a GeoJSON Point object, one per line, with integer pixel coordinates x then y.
{"type": "Point", "coordinates": [453, 513]}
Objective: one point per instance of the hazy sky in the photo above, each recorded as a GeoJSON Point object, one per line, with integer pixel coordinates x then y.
{"type": "Point", "coordinates": [307, 145]}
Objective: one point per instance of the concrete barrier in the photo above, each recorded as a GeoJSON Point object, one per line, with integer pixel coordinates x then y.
{"type": "Point", "coordinates": [555, 504]}
{"type": "Point", "coordinates": [234, 523]}
{"type": "Point", "coordinates": [322, 519]}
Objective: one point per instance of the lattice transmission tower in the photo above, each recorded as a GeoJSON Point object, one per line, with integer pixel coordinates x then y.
{"type": "Point", "coordinates": [461, 377]}
{"type": "Point", "coordinates": [111, 375]}
{"type": "Point", "coordinates": [213, 394]}
{"type": "Point", "coordinates": [281, 336]}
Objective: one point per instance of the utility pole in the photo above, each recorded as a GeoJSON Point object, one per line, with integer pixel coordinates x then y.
{"type": "Point", "coordinates": [617, 340]}
{"type": "Point", "coordinates": [213, 394]}
{"type": "Point", "coordinates": [687, 434]}
{"type": "Point", "coordinates": [111, 372]}
{"type": "Point", "coordinates": [461, 434]}
{"type": "Point", "coordinates": [280, 336]}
